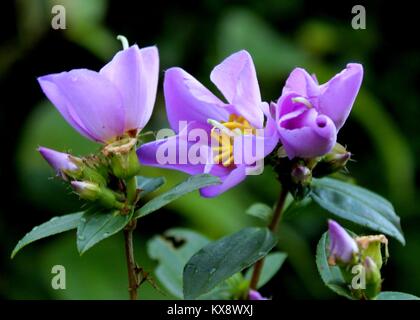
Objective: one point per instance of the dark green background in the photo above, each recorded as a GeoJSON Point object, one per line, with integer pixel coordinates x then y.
{"type": "Point", "coordinates": [382, 130]}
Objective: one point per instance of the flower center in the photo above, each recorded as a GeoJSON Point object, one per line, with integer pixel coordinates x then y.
{"type": "Point", "coordinates": [223, 134]}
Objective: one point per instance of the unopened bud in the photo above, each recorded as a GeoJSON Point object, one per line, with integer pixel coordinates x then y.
{"type": "Point", "coordinates": [373, 278]}
{"type": "Point", "coordinates": [343, 248]}
{"type": "Point", "coordinates": [64, 164]}
{"type": "Point", "coordinates": [333, 161]}
{"type": "Point", "coordinates": [92, 192]}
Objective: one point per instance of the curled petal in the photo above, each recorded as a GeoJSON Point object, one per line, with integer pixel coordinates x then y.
{"type": "Point", "coordinates": [338, 94]}
{"type": "Point", "coordinates": [236, 78]}
{"type": "Point", "coordinates": [88, 101]}
{"type": "Point", "coordinates": [188, 100]}
{"type": "Point", "coordinates": [135, 73]}
{"type": "Point", "coordinates": [307, 135]}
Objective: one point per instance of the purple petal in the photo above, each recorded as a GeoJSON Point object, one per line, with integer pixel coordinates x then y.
{"type": "Point", "coordinates": [175, 152]}
{"type": "Point", "coordinates": [88, 101]}
{"type": "Point", "coordinates": [307, 135]}
{"type": "Point", "coordinates": [302, 83]}
{"type": "Point", "coordinates": [229, 181]}
{"type": "Point", "coordinates": [59, 161]}
{"type": "Point", "coordinates": [236, 78]}
{"type": "Point", "coordinates": [188, 100]}
{"type": "Point", "coordinates": [338, 94]}
{"type": "Point", "coordinates": [342, 245]}
{"type": "Point", "coordinates": [255, 295]}
{"type": "Point", "coordinates": [135, 73]}
{"type": "Point", "coordinates": [256, 147]}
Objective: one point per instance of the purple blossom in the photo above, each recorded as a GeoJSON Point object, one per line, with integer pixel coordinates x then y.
{"type": "Point", "coordinates": [342, 246]}
{"type": "Point", "coordinates": [255, 295]}
{"type": "Point", "coordinates": [105, 105]}
{"type": "Point", "coordinates": [59, 161]}
{"type": "Point", "coordinates": [309, 115]}
{"type": "Point", "coordinates": [187, 100]}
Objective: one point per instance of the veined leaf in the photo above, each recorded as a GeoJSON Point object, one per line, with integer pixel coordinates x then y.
{"type": "Point", "coordinates": [221, 259]}
{"type": "Point", "coordinates": [49, 228]}
{"type": "Point", "coordinates": [96, 226]}
{"type": "Point", "coordinates": [357, 205]}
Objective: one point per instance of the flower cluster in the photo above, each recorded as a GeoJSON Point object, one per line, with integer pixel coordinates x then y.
{"type": "Point", "coordinates": [228, 138]}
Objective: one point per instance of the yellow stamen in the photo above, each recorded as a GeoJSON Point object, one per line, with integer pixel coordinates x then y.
{"type": "Point", "coordinates": [223, 133]}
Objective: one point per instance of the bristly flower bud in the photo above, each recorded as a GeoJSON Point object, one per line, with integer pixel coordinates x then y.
{"type": "Point", "coordinates": [332, 162]}
{"type": "Point", "coordinates": [123, 158]}
{"type": "Point", "coordinates": [343, 248]}
{"type": "Point", "coordinates": [66, 165]}
{"type": "Point", "coordinates": [93, 192]}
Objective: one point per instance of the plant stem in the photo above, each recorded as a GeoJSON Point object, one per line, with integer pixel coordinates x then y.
{"type": "Point", "coordinates": [273, 225]}
{"type": "Point", "coordinates": [132, 269]}
{"type": "Point", "coordinates": [131, 190]}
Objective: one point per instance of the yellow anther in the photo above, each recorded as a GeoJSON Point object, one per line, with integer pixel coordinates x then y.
{"type": "Point", "coordinates": [223, 152]}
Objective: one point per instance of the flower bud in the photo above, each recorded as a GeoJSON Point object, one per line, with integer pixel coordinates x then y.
{"type": "Point", "coordinates": [343, 248]}
{"type": "Point", "coordinates": [373, 278]}
{"type": "Point", "coordinates": [123, 158]}
{"type": "Point", "coordinates": [255, 295]}
{"type": "Point", "coordinates": [92, 192]}
{"type": "Point", "coordinates": [64, 164]}
{"type": "Point", "coordinates": [86, 190]}
{"type": "Point", "coordinates": [333, 161]}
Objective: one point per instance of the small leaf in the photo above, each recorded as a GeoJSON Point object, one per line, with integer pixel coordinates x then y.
{"type": "Point", "coordinates": [330, 275]}
{"type": "Point", "coordinates": [172, 251]}
{"type": "Point", "coordinates": [392, 295]}
{"type": "Point", "coordinates": [261, 211]}
{"type": "Point", "coordinates": [272, 264]}
{"type": "Point", "coordinates": [358, 205]}
{"type": "Point", "coordinates": [191, 184]}
{"type": "Point", "coordinates": [96, 226]}
{"type": "Point", "coordinates": [223, 258]}
{"type": "Point", "coordinates": [147, 185]}
{"type": "Point", "coordinates": [49, 228]}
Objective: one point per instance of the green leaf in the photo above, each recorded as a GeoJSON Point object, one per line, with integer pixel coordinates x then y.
{"type": "Point", "coordinates": [96, 226]}
{"type": "Point", "coordinates": [272, 264]}
{"type": "Point", "coordinates": [148, 185]}
{"type": "Point", "coordinates": [49, 228]}
{"type": "Point", "coordinates": [173, 250]}
{"type": "Point", "coordinates": [223, 258]}
{"type": "Point", "coordinates": [330, 275]}
{"type": "Point", "coordinates": [357, 205]}
{"type": "Point", "coordinates": [261, 211]}
{"type": "Point", "coordinates": [191, 184]}
{"type": "Point", "coordinates": [392, 295]}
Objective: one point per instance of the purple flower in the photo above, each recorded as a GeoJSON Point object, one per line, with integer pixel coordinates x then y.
{"type": "Point", "coordinates": [255, 295]}
{"type": "Point", "coordinates": [187, 100]}
{"type": "Point", "coordinates": [343, 247]}
{"type": "Point", "coordinates": [309, 115]}
{"type": "Point", "coordinates": [59, 161]}
{"type": "Point", "coordinates": [107, 104]}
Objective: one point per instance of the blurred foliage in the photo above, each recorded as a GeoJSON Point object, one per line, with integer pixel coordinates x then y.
{"type": "Point", "coordinates": [280, 35]}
